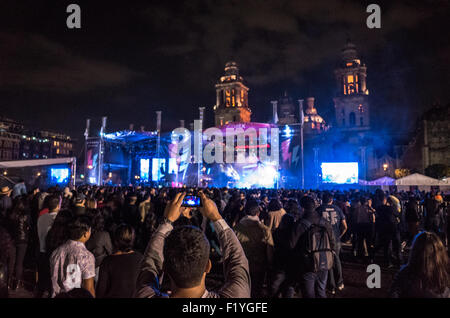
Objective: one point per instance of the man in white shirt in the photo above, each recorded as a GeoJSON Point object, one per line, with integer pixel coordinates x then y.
{"type": "Point", "coordinates": [71, 264]}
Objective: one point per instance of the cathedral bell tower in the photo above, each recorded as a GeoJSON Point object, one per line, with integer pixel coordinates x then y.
{"type": "Point", "coordinates": [351, 102]}
{"type": "Point", "coordinates": [231, 97]}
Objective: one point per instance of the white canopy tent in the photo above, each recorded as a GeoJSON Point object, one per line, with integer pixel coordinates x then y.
{"type": "Point", "coordinates": [39, 162]}
{"type": "Point", "coordinates": [383, 182]}
{"type": "Point", "coordinates": [35, 162]}
{"type": "Point", "coordinates": [423, 183]}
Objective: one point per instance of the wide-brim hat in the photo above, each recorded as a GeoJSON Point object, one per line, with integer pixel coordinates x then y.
{"type": "Point", "coordinates": [5, 190]}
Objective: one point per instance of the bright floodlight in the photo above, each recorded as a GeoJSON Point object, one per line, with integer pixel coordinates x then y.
{"type": "Point", "coordinates": [340, 172]}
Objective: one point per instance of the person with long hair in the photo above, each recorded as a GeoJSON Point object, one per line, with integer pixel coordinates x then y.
{"type": "Point", "coordinates": [99, 243]}
{"type": "Point", "coordinates": [119, 271]}
{"type": "Point", "coordinates": [58, 233]}
{"type": "Point", "coordinates": [427, 272]}
{"type": "Point", "coordinates": [20, 226]}
{"type": "Point", "coordinates": [276, 213]}
{"type": "Point", "coordinates": [91, 206]}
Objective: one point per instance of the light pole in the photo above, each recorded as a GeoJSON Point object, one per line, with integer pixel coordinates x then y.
{"type": "Point", "coordinates": [316, 166]}
{"type": "Point", "coordinates": [200, 145]}
{"type": "Point", "coordinates": [302, 119]}
{"type": "Point", "coordinates": [158, 142]}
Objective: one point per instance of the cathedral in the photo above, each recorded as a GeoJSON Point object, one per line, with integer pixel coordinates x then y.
{"type": "Point", "coordinates": [346, 138]}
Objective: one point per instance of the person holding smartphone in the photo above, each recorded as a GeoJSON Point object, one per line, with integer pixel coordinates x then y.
{"type": "Point", "coordinates": [181, 254]}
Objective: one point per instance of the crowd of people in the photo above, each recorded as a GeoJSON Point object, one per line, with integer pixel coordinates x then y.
{"type": "Point", "coordinates": [126, 242]}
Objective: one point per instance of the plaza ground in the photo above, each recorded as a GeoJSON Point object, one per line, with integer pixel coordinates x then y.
{"type": "Point", "coordinates": [354, 273]}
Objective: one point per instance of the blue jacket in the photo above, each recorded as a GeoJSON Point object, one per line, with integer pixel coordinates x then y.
{"type": "Point", "coordinates": [19, 189]}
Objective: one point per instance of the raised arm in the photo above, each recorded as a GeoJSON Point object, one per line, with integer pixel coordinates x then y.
{"type": "Point", "coordinates": [148, 282]}
{"type": "Point", "coordinates": [235, 263]}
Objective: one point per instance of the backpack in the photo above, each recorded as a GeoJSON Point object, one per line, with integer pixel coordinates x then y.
{"type": "Point", "coordinates": [317, 254]}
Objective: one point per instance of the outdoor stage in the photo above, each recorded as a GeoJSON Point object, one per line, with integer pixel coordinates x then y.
{"type": "Point", "coordinates": [272, 159]}
{"type": "Point", "coordinates": [150, 158]}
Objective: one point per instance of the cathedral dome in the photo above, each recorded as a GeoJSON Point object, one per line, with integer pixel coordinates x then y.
{"type": "Point", "coordinates": [312, 119]}
{"type": "Point", "coordinates": [231, 68]}
{"type": "Point", "coordinates": [349, 52]}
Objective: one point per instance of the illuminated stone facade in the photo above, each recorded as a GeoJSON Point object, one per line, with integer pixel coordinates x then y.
{"type": "Point", "coordinates": [430, 144]}
{"type": "Point", "coordinates": [351, 102]}
{"type": "Point", "coordinates": [231, 98]}
{"type": "Point", "coordinates": [314, 123]}
{"type": "Point", "coordinates": [18, 143]}
{"type": "Point", "coordinates": [287, 114]}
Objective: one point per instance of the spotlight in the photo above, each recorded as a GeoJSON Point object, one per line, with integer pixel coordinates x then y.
{"type": "Point", "coordinates": [287, 131]}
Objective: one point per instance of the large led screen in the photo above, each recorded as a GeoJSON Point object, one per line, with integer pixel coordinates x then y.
{"type": "Point", "coordinates": [145, 169]}
{"type": "Point", "coordinates": [340, 172]}
{"type": "Point", "coordinates": [59, 175]}
{"type": "Point", "coordinates": [158, 168]}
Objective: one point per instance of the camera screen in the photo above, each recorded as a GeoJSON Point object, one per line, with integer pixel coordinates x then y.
{"type": "Point", "coordinates": [191, 200]}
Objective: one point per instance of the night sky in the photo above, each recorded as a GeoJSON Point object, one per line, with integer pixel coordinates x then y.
{"type": "Point", "coordinates": [132, 58]}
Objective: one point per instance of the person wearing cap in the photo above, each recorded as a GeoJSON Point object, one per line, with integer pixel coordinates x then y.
{"type": "Point", "coordinates": [79, 209]}
{"type": "Point", "coordinates": [5, 202]}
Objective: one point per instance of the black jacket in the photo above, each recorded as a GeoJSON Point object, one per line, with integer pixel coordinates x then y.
{"type": "Point", "coordinates": [5, 206]}
{"type": "Point", "coordinates": [281, 236]}
{"type": "Point", "coordinates": [22, 226]}
{"type": "Point", "coordinates": [412, 212]}
{"type": "Point", "coordinates": [387, 218]}
{"type": "Point", "coordinates": [79, 210]}
{"type": "Point", "coordinates": [100, 245]}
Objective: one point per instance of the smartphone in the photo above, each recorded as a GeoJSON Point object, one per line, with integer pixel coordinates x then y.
{"type": "Point", "coordinates": [191, 201]}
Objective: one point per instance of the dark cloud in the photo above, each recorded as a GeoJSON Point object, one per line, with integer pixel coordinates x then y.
{"type": "Point", "coordinates": [133, 58]}
{"type": "Point", "coordinates": [274, 40]}
{"type": "Point", "coordinates": [34, 62]}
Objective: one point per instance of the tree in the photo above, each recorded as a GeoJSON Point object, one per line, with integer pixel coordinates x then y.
{"type": "Point", "coordinates": [400, 173]}
{"type": "Point", "coordinates": [437, 171]}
